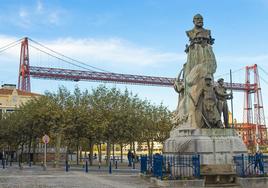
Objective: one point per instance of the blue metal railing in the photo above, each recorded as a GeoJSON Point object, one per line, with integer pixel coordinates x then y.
{"type": "Point", "coordinates": [171, 166]}
{"type": "Point", "coordinates": [144, 163]}
{"type": "Point", "coordinates": [251, 165]}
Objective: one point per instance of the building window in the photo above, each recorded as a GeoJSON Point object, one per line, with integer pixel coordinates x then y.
{"type": "Point", "coordinates": [14, 99]}
{"type": "Point", "coordinates": [9, 110]}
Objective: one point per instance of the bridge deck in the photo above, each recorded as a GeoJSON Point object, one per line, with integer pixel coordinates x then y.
{"type": "Point", "coordinates": [78, 75]}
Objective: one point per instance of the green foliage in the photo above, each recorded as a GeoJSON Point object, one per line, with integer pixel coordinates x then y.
{"type": "Point", "coordinates": [101, 116]}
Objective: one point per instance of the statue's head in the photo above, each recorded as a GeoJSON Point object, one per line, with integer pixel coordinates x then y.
{"type": "Point", "coordinates": [198, 21]}
{"type": "Point", "coordinates": [220, 81]}
{"type": "Point", "coordinates": [208, 80]}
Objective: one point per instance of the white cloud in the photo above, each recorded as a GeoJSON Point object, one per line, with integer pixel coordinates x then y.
{"type": "Point", "coordinates": [245, 59]}
{"type": "Point", "coordinates": [113, 54]}
{"type": "Point", "coordinates": [120, 52]}
{"type": "Point", "coordinates": [53, 18]}
{"type": "Point", "coordinates": [23, 13]}
{"type": "Point", "coordinates": [39, 6]}
{"type": "Point", "coordinates": [24, 19]}
{"type": "Point", "coordinates": [100, 19]}
{"type": "Point", "coordinates": [112, 50]}
{"type": "Point", "coordinates": [12, 52]}
{"type": "Point", "coordinates": [30, 15]}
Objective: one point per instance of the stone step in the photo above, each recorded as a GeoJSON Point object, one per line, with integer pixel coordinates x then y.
{"type": "Point", "coordinates": [219, 179]}
{"type": "Point", "coordinates": [217, 169]}
{"type": "Point", "coordinates": [218, 174]}
{"type": "Point", "coordinates": [219, 186]}
{"type": "Point", "coordinates": [226, 185]}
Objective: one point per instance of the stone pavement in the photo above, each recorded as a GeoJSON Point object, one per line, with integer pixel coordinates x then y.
{"type": "Point", "coordinates": [35, 177]}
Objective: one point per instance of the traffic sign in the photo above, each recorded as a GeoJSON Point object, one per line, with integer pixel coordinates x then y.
{"type": "Point", "coordinates": [45, 139]}
{"type": "Point", "coordinates": [258, 140]}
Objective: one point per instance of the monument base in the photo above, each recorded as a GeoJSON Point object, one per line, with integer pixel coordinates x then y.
{"type": "Point", "coordinates": [215, 146]}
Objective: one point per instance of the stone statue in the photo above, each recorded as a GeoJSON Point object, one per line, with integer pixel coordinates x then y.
{"type": "Point", "coordinates": [199, 50]}
{"type": "Point", "coordinates": [209, 112]}
{"type": "Point", "coordinates": [197, 126]}
{"type": "Point", "coordinates": [200, 63]}
{"type": "Point", "coordinates": [223, 96]}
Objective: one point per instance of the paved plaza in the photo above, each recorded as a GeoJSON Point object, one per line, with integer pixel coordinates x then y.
{"type": "Point", "coordinates": [35, 177]}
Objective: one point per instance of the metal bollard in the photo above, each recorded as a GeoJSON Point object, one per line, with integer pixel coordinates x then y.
{"type": "Point", "coordinates": [110, 168]}
{"type": "Point", "coordinates": [86, 167]}
{"type": "Point", "coordinates": [115, 164]}
{"type": "Point", "coordinates": [242, 166]}
{"type": "Point", "coordinates": [66, 166]}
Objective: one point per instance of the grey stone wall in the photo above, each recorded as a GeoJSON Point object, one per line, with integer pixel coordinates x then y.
{"type": "Point", "coordinates": [258, 182]}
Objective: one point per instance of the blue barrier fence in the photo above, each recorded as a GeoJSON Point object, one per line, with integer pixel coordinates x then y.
{"type": "Point", "coordinates": [251, 165]}
{"type": "Point", "coordinates": [171, 167]}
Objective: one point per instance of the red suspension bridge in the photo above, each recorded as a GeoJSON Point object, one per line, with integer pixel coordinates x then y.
{"type": "Point", "coordinates": [253, 114]}
{"type": "Point", "coordinates": [26, 72]}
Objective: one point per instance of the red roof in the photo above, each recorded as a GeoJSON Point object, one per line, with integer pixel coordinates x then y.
{"type": "Point", "coordinates": [20, 92]}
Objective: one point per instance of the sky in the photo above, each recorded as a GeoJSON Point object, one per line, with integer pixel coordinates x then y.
{"type": "Point", "coordinates": [145, 37]}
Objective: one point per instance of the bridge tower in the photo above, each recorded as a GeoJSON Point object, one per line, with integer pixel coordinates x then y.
{"type": "Point", "coordinates": [24, 83]}
{"type": "Point", "coordinates": [254, 122]}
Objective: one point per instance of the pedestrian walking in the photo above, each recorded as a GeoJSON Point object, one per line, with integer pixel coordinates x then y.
{"type": "Point", "coordinates": [129, 157]}
{"type": "Point", "coordinates": [259, 162]}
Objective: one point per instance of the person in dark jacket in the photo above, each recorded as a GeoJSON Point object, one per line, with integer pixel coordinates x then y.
{"type": "Point", "coordinates": [259, 162]}
{"type": "Point", "coordinates": [129, 157]}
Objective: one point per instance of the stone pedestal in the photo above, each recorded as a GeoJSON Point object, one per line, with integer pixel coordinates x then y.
{"type": "Point", "coordinates": [215, 146]}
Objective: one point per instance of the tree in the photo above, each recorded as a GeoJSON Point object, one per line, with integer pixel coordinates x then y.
{"type": "Point", "coordinates": [58, 104]}
{"type": "Point", "coordinates": [88, 118]}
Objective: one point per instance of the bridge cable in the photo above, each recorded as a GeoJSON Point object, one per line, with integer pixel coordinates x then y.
{"type": "Point", "coordinates": [64, 60]}
{"type": "Point", "coordinates": [265, 81]}
{"type": "Point", "coordinates": [265, 72]}
{"type": "Point", "coordinates": [10, 45]}
{"type": "Point", "coordinates": [225, 74]}
{"type": "Point", "coordinates": [77, 61]}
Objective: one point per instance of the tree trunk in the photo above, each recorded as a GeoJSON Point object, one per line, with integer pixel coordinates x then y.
{"type": "Point", "coordinates": [57, 150]}
{"type": "Point", "coordinates": [108, 152]}
{"type": "Point", "coordinates": [152, 148]}
{"type": "Point", "coordinates": [121, 153]}
{"type": "Point", "coordinates": [34, 151]}
{"type": "Point", "coordinates": [134, 150]}
{"type": "Point", "coordinates": [29, 150]}
{"type": "Point", "coordinates": [80, 154]}
{"type": "Point", "coordinates": [8, 153]}
{"type": "Point", "coordinates": [113, 154]}
{"type": "Point", "coordinates": [148, 148]}
{"type": "Point", "coordinates": [20, 157]}
{"type": "Point", "coordinates": [149, 152]}
{"type": "Point", "coordinates": [91, 151]}
{"type": "Point", "coordinates": [77, 152]}
{"type": "Point", "coordinates": [22, 151]}
{"type": "Point", "coordinates": [99, 152]}
{"type": "Point", "coordinates": [130, 145]}
{"type": "Point", "coordinates": [16, 155]}
{"type": "Point", "coordinates": [67, 153]}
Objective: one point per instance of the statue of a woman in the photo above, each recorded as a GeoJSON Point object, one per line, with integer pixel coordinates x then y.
{"type": "Point", "coordinates": [200, 64]}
